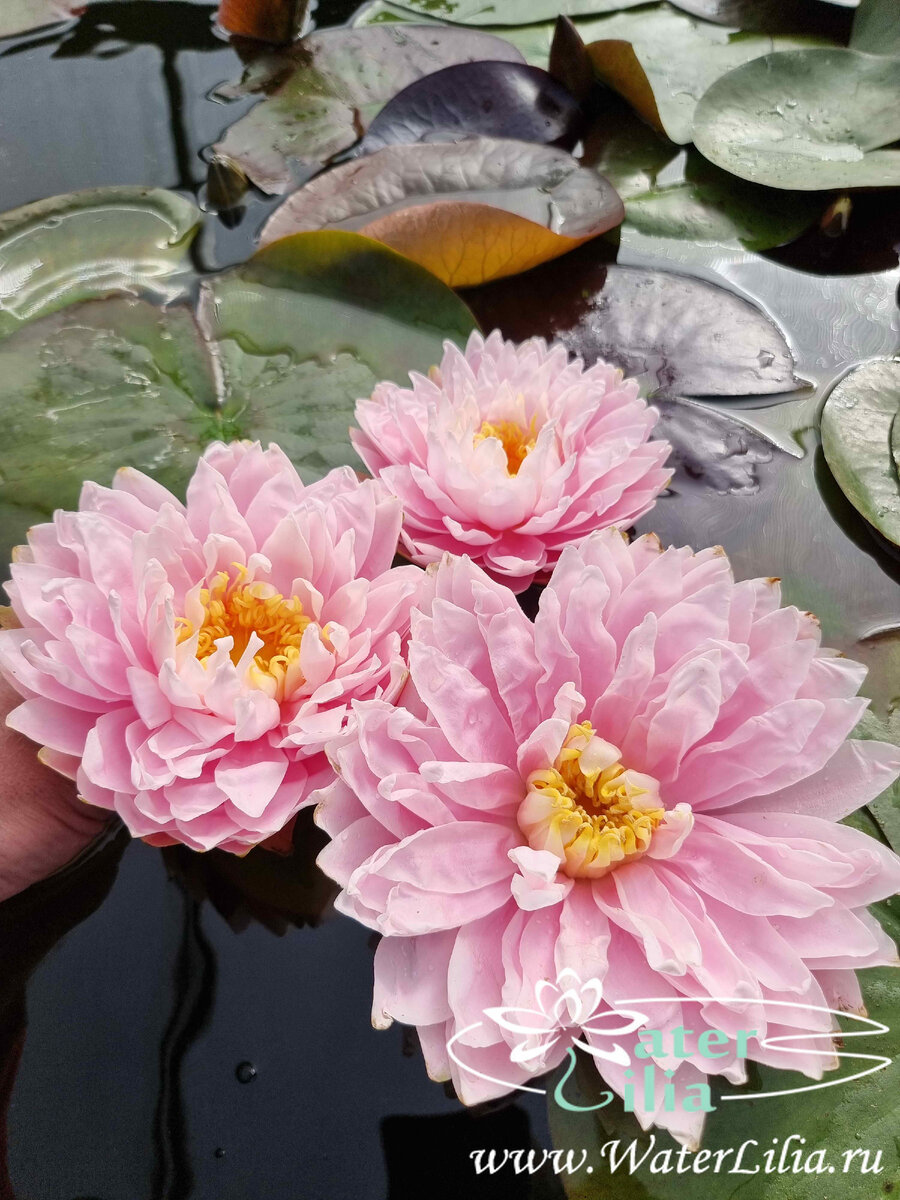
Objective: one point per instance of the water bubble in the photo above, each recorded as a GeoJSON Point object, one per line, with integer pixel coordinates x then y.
{"type": "Point", "coordinates": [245, 1072]}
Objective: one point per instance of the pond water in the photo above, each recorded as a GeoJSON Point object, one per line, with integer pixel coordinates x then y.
{"type": "Point", "coordinates": [174, 1028]}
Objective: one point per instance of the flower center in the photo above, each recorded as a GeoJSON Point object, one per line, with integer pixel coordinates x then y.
{"type": "Point", "coordinates": [235, 609]}
{"type": "Point", "coordinates": [517, 442]}
{"type": "Point", "coordinates": [588, 809]}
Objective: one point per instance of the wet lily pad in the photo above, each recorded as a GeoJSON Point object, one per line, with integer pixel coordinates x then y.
{"type": "Point", "coordinates": [857, 435]}
{"type": "Point", "coordinates": [876, 27]}
{"type": "Point", "coordinates": [321, 94]}
{"type": "Point", "coordinates": [805, 119]}
{"type": "Point", "coordinates": [512, 12]}
{"type": "Point", "coordinates": [312, 323]}
{"type": "Point", "coordinates": [489, 99]}
{"type": "Point", "coordinates": [18, 16]}
{"type": "Point", "coordinates": [670, 192]}
{"type": "Point", "coordinates": [681, 335]}
{"type": "Point", "coordinates": [663, 61]}
{"type": "Point", "coordinates": [89, 244]}
{"type": "Point", "coordinates": [283, 347]}
{"type": "Point", "coordinates": [469, 212]}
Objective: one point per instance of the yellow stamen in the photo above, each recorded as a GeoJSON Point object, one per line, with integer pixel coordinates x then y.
{"type": "Point", "coordinates": [588, 808]}
{"type": "Point", "coordinates": [235, 609]}
{"type": "Point", "coordinates": [517, 442]}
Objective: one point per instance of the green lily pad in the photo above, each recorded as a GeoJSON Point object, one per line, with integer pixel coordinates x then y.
{"type": "Point", "coordinates": [312, 323]}
{"type": "Point", "coordinates": [663, 61]}
{"type": "Point", "coordinates": [512, 12]}
{"type": "Point", "coordinates": [857, 431]}
{"type": "Point", "coordinates": [675, 193]}
{"type": "Point", "coordinates": [532, 41]}
{"type": "Point", "coordinates": [283, 347]}
{"type": "Point", "coordinates": [805, 119]}
{"type": "Point", "coordinates": [98, 386]}
{"type": "Point", "coordinates": [18, 16]}
{"type": "Point", "coordinates": [876, 27]}
{"type": "Point", "coordinates": [88, 244]}
{"type": "Point", "coordinates": [321, 93]}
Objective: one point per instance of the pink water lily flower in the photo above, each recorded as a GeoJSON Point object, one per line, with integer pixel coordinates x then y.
{"type": "Point", "coordinates": [186, 663]}
{"type": "Point", "coordinates": [642, 787]}
{"type": "Point", "coordinates": [511, 453]}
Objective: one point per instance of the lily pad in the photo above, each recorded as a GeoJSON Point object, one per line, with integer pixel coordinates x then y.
{"type": "Point", "coordinates": [310, 324]}
{"type": "Point", "coordinates": [512, 12]}
{"type": "Point", "coordinates": [681, 335]}
{"type": "Point", "coordinates": [91, 243]}
{"type": "Point", "coordinates": [283, 347]}
{"type": "Point", "coordinates": [533, 41]}
{"type": "Point", "coordinates": [672, 192]}
{"type": "Point", "coordinates": [663, 61]}
{"type": "Point", "coordinates": [876, 27]}
{"type": "Point", "coordinates": [321, 94]}
{"type": "Point", "coordinates": [492, 99]}
{"type": "Point", "coordinates": [469, 212]}
{"type": "Point", "coordinates": [18, 16]}
{"type": "Point", "coordinates": [857, 433]}
{"type": "Point", "coordinates": [805, 119]}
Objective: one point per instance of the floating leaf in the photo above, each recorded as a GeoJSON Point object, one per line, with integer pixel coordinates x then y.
{"type": "Point", "coordinates": [512, 12]}
{"type": "Point", "coordinates": [771, 16]}
{"type": "Point", "coordinates": [805, 119]}
{"type": "Point", "coordinates": [289, 341]}
{"type": "Point", "coordinates": [321, 95]}
{"type": "Point", "coordinates": [662, 62]}
{"type": "Point", "coordinates": [469, 212]}
{"type": "Point", "coordinates": [312, 323]}
{"type": "Point", "coordinates": [492, 99]}
{"type": "Point", "coordinates": [277, 21]}
{"type": "Point", "coordinates": [682, 335]}
{"type": "Point", "coordinates": [18, 16]}
{"type": "Point", "coordinates": [569, 61]}
{"type": "Point", "coordinates": [534, 41]}
{"type": "Point", "coordinates": [876, 27]}
{"type": "Point", "coordinates": [97, 386]}
{"type": "Point", "coordinates": [91, 243]}
{"type": "Point", "coordinates": [857, 430]}
{"type": "Point", "coordinates": [698, 202]}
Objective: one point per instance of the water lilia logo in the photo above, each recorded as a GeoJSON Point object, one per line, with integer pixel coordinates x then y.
{"type": "Point", "coordinates": [565, 1005]}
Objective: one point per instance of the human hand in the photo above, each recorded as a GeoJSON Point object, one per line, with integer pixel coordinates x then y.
{"type": "Point", "coordinates": [43, 824]}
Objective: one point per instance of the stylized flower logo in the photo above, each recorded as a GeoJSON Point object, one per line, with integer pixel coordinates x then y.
{"type": "Point", "coordinates": [565, 1005]}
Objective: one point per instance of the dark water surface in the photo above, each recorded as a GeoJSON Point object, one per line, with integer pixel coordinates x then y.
{"type": "Point", "coordinates": [201, 1028]}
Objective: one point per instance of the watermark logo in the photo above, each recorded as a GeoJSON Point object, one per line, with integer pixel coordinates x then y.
{"type": "Point", "coordinates": [571, 1013]}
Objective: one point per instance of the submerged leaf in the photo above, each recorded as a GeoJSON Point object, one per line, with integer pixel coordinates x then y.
{"type": "Point", "coordinates": [857, 433]}
{"type": "Point", "coordinates": [321, 95]}
{"type": "Point", "coordinates": [662, 62]}
{"type": "Point", "coordinates": [805, 119]}
{"type": "Point", "coordinates": [491, 99]}
{"type": "Point", "coordinates": [88, 244]}
{"type": "Point", "coordinates": [681, 335]}
{"type": "Point", "coordinates": [469, 212]}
